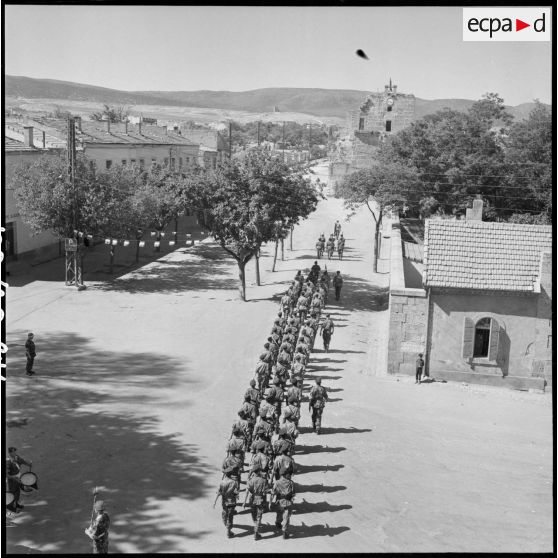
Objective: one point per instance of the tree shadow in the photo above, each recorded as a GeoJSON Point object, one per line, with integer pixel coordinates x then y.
{"type": "Point", "coordinates": [331, 430]}
{"type": "Point", "coordinates": [91, 445]}
{"type": "Point", "coordinates": [300, 488]}
{"type": "Point", "coordinates": [360, 294]}
{"type": "Point", "coordinates": [208, 267]}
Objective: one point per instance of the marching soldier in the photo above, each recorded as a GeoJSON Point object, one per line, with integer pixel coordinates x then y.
{"type": "Point", "coordinates": [252, 393]}
{"type": "Point", "coordinates": [229, 489]}
{"type": "Point", "coordinates": [257, 488]}
{"type": "Point", "coordinates": [283, 465]}
{"type": "Point", "coordinates": [327, 332]}
{"type": "Point", "coordinates": [284, 492]}
{"type": "Point", "coordinates": [233, 462]}
{"type": "Point", "coordinates": [337, 283]}
{"type": "Point", "coordinates": [261, 450]}
{"type": "Point", "coordinates": [316, 404]}
{"type": "Point", "coordinates": [242, 427]}
{"type": "Point", "coordinates": [98, 531]}
{"type": "Point", "coordinates": [294, 393]}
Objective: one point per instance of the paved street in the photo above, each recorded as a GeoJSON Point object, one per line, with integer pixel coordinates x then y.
{"type": "Point", "coordinates": [138, 382]}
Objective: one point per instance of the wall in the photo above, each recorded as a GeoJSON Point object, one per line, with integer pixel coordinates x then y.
{"type": "Point", "coordinates": [407, 312]}
{"type": "Point", "coordinates": [28, 246]}
{"type": "Point", "coordinates": [515, 313]}
{"type": "Point", "coordinates": [542, 363]}
{"type": "Point", "coordinates": [100, 153]}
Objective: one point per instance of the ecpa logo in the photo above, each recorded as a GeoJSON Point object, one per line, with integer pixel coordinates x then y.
{"type": "Point", "coordinates": [506, 24]}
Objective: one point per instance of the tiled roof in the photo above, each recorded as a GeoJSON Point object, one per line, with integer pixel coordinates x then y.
{"type": "Point", "coordinates": [14, 145]}
{"type": "Point", "coordinates": [483, 255]}
{"type": "Point", "coordinates": [97, 132]}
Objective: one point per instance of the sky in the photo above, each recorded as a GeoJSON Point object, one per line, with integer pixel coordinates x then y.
{"type": "Point", "coordinates": [172, 48]}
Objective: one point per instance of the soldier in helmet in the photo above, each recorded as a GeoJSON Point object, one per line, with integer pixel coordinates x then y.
{"type": "Point", "coordinates": [98, 531]}
{"type": "Point", "coordinates": [257, 488]}
{"type": "Point", "coordinates": [253, 393]}
{"type": "Point", "coordinates": [316, 404]}
{"type": "Point", "coordinates": [229, 489]}
{"type": "Point", "coordinates": [284, 492]}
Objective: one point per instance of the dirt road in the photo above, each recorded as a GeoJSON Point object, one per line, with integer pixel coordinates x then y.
{"type": "Point", "coordinates": [139, 381]}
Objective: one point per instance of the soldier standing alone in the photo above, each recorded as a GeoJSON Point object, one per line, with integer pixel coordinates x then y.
{"type": "Point", "coordinates": [98, 532]}
{"type": "Point", "coordinates": [30, 354]}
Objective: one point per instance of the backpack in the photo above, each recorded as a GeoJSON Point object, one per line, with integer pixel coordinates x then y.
{"type": "Point", "coordinates": [284, 488]}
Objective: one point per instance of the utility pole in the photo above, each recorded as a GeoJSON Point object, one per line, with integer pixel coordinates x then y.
{"type": "Point", "coordinates": [283, 141]}
{"type": "Point", "coordinates": [73, 248]}
{"type": "Point", "coordinates": [258, 133]}
{"type": "Point", "coordinates": [230, 139]}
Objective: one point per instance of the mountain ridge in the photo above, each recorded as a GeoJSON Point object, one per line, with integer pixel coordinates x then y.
{"type": "Point", "coordinates": [313, 101]}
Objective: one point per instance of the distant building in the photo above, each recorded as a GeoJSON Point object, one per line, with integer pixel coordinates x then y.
{"type": "Point", "coordinates": [214, 146]}
{"type": "Point", "coordinates": [380, 115]}
{"type": "Point", "coordinates": [18, 238]}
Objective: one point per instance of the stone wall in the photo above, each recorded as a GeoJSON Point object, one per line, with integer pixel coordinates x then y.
{"type": "Point", "coordinates": [542, 362]}
{"type": "Point", "coordinates": [407, 313]}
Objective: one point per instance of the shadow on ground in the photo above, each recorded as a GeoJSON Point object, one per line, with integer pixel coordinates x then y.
{"type": "Point", "coordinates": [77, 441]}
{"type": "Point", "coordinates": [208, 267]}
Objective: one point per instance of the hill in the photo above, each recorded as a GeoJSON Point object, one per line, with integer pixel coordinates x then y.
{"type": "Point", "coordinates": [316, 102]}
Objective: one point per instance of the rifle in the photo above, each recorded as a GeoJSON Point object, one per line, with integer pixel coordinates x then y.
{"type": "Point", "coordinates": [245, 497]}
{"type": "Point", "coordinates": [216, 498]}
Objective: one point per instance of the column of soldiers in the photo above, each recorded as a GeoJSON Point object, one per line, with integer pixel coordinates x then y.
{"type": "Point", "coordinates": [267, 424]}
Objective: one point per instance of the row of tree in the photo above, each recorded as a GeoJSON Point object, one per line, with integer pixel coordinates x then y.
{"type": "Point", "coordinates": [244, 203]}
{"type": "Point", "coordinates": [443, 161]}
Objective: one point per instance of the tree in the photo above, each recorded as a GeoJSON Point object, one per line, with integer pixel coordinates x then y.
{"type": "Point", "coordinates": [384, 186]}
{"type": "Point", "coordinates": [456, 155]}
{"type": "Point", "coordinates": [117, 113]}
{"type": "Point", "coordinates": [528, 156]}
{"type": "Point", "coordinates": [159, 198]}
{"type": "Point", "coordinates": [98, 204]}
{"type": "Point", "coordinates": [240, 203]}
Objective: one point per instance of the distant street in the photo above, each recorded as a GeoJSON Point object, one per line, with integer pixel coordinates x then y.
{"type": "Point", "coordinates": [139, 380]}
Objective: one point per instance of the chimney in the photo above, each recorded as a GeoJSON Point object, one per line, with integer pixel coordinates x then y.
{"type": "Point", "coordinates": [475, 214]}
{"type": "Point", "coordinates": [78, 122]}
{"type": "Point", "coordinates": [28, 136]}
{"type": "Point", "coordinates": [126, 124]}
{"type": "Point", "coordinates": [44, 139]}
{"type": "Point", "coordinates": [175, 129]}
{"type": "Point", "coordinates": [395, 89]}
{"type": "Point", "coordinates": [139, 125]}
{"type": "Point", "coordinates": [108, 125]}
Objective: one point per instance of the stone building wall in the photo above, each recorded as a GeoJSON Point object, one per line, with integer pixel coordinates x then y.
{"type": "Point", "coordinates": [408, 313]}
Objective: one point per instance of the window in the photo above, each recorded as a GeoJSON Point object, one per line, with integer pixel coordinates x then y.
{"type": "Point", "coordinates": [124, 161]}
{"type": "Point", "coordinates": [132, 161]}
{"type": "Point", "coordinates": [172, 161]}
{"type": "Point", "coordinates": [108, 164]}
{"type": "Point", "coordinates": [361, 124]}
{"type": "Point", "coordinates": [180, 162]}
{"type": "Point", "coordinates": [481, 338]}
{"type": "Point", "coordinates": [388, 125]}
{"type": "Point", "coordinates": [142, 163]}
{"type": "Point", "coordinates": [389, 108]}
{"type": "Point", "coordinates": [166, 160]}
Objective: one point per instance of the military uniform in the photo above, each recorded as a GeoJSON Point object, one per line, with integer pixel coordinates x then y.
{"type": "Point", "coordinates": [284, 491]}
{"type": "Point", "coordinates": [229, 489]}
{"type": "Point", "coordinates": [99, 529]}
{"type": "Point", "coordinates": [257, 487]}
{"type": "Point", "coordinates": [318, 397]}
{"type": "Point", "coordinates": [30, 354]}
{"type": "Point", "coordinates": [283, 465]}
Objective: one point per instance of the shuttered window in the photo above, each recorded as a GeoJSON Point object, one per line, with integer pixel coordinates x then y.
{"type": "Point", "coordinates": [481, 339]}
{"type": "Point", "coordinates": [468, 337]}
